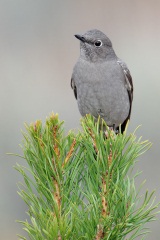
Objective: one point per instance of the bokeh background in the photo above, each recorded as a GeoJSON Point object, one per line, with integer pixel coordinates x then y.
{"type": "Point", "coordinates": [37, 54]}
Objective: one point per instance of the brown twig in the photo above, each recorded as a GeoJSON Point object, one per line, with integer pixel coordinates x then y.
{"type": "Point", "coordinates": [59, 236]}
{"type": "Point", "coordinates": [104, 202]}
{"type": "Point", "coordinates": [55, 131]}
{"type": "Point", "coordinates": [110, 157]}
{"type": "Point", "coordinates": [93, 139]}
{"type": "Point", "coordinates": [36, 125]}
{"type": "Point", "coordinates": [69, 154]}
{"type": "Point", "coordinates": [56, 150]}
{"type": "Point", "coordinates": [57, 190]}
{"type": "Point", "coordinates": [105, 211]}
{"type": "Point", "coordinates": [56, 194]}
{"type": "Point", "coordinates": [100, 233]}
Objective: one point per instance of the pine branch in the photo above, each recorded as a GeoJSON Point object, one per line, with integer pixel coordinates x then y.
{"type": "Point", "coordinates": [79, 186]}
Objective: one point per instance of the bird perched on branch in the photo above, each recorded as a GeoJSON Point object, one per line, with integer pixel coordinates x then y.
{"type": "Point", "coordinates": [101, 82]}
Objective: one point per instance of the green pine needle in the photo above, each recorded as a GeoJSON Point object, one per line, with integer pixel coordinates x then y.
{"type": "Point", "coordinates": [79, 186]}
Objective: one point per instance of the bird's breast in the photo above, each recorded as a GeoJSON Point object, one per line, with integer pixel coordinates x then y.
{"type": "Point", "coordinates": [101, 91]}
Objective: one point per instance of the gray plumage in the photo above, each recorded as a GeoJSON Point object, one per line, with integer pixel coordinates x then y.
{"type": "Point", "coordinates": [101, 82]}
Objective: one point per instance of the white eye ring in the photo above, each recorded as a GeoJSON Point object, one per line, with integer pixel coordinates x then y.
{"type": "Point", "coordinates": [98, 43]}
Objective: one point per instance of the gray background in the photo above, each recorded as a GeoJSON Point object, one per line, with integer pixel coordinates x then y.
{"type": "Point", "coordinates": [37, 54]}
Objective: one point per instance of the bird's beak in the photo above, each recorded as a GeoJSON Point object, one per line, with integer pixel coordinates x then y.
{"type": "Point", "coordinates": [80, 37]}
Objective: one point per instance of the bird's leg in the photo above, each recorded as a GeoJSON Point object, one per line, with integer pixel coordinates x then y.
{"type": "Point", "coordinates": [115, 129]}
{"type": "Point", "coordinates": [112, 128]}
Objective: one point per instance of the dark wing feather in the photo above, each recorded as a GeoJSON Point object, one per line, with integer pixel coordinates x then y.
{"type": "Point", "coordinates": [73, 86]}
{"type": "Point", "coordinates": [129, 86]}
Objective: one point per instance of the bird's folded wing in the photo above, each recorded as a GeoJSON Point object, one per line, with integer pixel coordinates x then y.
{"type": "Point", "coordinates": [73, 86]}
{"type": "Point", "coordinates": [129, 83]}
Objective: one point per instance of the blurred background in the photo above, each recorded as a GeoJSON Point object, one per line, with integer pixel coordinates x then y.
{"type": "Point", "coordinates": [37, 54]}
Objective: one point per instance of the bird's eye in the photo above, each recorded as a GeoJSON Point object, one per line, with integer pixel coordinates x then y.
{"type": "Point", "coordinates": [98, 43]}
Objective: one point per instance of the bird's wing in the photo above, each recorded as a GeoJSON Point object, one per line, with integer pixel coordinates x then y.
{"type": "Point", "coordinates": [129, 86]}
{"type": "Point", "coordinates": [73, 86]}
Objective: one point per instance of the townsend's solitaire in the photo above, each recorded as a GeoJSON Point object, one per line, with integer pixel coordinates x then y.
{"type": "Point", "coordinates": [101, 82]}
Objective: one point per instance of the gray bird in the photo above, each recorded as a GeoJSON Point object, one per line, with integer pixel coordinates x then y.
{"type": "Point", "coordinates": [101, 82]}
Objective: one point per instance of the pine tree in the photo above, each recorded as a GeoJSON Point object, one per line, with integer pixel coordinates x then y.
{"type": "Point", "coordinates": [79, 186]}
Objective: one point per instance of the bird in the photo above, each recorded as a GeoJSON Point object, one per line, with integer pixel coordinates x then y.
{"type": "Point", "coordinates": [101, 82]}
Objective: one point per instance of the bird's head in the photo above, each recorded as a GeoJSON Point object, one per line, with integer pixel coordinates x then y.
{"type": "Point", "coordinates": [95, 46]}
